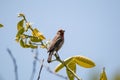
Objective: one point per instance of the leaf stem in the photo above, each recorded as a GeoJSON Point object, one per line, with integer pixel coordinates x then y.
{"type": "Point", "coordinates": [27, 22]}
{"type": "Point", "coordinates": [40, 70]}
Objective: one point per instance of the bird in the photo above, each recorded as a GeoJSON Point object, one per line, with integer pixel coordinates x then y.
{"type": "Point", "coordinates": [56, 44]}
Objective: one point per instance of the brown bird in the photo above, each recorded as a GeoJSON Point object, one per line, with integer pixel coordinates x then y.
{"type": "Point", "coordinates": [56, 44]}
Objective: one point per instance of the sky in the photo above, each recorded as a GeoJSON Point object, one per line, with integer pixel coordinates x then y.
{"type": "Point", "coordinates": [92, 29]}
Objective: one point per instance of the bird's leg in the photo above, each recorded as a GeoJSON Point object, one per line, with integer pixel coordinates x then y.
{"type": "Point", "coordinates": [57, 55]}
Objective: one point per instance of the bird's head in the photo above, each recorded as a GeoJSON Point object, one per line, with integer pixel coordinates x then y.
{"type": "Point", "coordinates": [61, 32]}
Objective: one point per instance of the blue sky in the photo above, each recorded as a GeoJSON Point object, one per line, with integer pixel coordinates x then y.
{"type": "Point", "coordinates": [92, 29]}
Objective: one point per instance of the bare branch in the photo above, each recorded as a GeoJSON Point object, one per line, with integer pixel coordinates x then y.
{"type": "Point", "coordinates": [14, 63]}
{"type": "Point", "coordinates": [50, 71]}
{"type": "Point", "coordinates": [40, 69]}
{"type": "Point", "coordinates": [34, 65]}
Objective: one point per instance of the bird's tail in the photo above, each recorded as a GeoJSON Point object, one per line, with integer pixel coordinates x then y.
{"type": "Point", "coordinates": [49, 57]}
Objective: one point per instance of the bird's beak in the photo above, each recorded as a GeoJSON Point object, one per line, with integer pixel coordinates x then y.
{"type": "Point", "coordinates": [63, 30]}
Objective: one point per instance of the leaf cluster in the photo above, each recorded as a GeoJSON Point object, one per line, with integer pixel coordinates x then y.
{"type": "Point", "coordinates": [72, 62]}
{"type": "Point", "coordinates": [31, 40]}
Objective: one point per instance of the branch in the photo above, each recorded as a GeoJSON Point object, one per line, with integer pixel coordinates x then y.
{"type": "Point", "coordinates": [34, 65]}
{"type": "Point", "coordinates": [52, 72]}
{"type": "Point", "coordinates": [14, 63]}
{"type": "Point", "coordinates": [40, 70]}
{"type": "Point", "coordinates": [27, 22]}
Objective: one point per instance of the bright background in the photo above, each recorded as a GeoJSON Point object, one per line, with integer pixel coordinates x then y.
{"type": "Point", "coordinates": [92, 29]}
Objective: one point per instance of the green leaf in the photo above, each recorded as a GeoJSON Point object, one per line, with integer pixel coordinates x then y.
{"type": "Point", "coordinates": [72, 66]}
{"type": "Point", "coordinates": [20, 32]}
{"type": "Point", "coordinates": [17, 39]}
{"type": "Point", "coordinates": [103, 75]}
{"type": "Point", "coordinates": [1, 25]}
{"type": "Point", "coordinates": [71, 63]}
{"type": "Point", "coordinates": [38, 34]}
{"type": "Point", "coordinates": [33, 47]}
{"type": "Point", "coordinates": [20, 24]}
{"type": "Point", "coordinates": [22, 43]}
{"type": "Point", "coordinates": [80, 60]}
{"type": "Point", "coordinates": [60, 66]}
{"type": "Point", "coordinates": [26, 46]}
{"type": "Point", "coordinates": [35, 39]}
{"type": "Point", "coordinates": [84, 61]}
{"type": "Point", "coordinates": [21, 15]}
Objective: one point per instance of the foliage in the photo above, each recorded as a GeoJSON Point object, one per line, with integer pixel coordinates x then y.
{"type": "Point", "coordinates": [25, 40]}
{"type": "Point", "coordinates": [71, 63]}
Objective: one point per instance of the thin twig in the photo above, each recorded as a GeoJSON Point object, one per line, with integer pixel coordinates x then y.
{"type": "Point", "coordinates": [27, 22]}
{"type": "Point", "coordinates": [34, 65]}
{"type": "Point", "coordinates": [40, 69]}
{"type": "Point", "coordinates": [61, 76]}
{"type": "Point", "coordinates": [14, 63]}
{"type": "Point", "coordinates": [52, 72]}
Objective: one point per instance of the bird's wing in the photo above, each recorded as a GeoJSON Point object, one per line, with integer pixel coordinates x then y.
{"type": "Point", "coordinates": [55, 44]}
